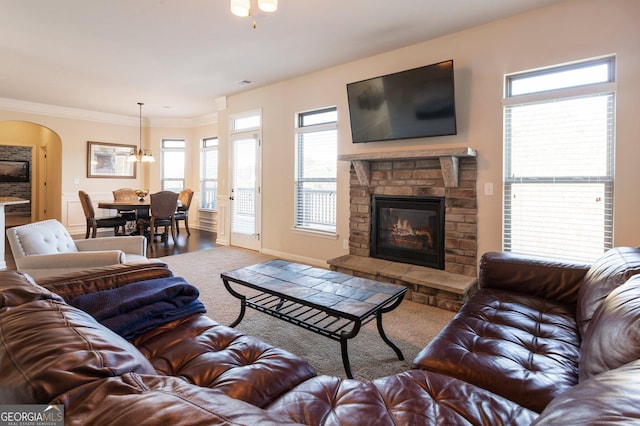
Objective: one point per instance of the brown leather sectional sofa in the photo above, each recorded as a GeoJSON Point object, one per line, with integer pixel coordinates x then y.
{"type": "Point", "coordinates": [542, 341]}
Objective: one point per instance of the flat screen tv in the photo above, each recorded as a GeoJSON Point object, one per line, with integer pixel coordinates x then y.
{"type": "Point", "coordinates": [416, 103]}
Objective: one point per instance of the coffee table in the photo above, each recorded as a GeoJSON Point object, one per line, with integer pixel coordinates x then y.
{"type": "Point", "coordinates": [329, 303]}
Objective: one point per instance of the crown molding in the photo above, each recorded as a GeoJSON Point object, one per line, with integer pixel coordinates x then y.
{"type": "Point", "coordinates": [66, 112]}
{"type": "Point", "coordinates": [185, 122]}
{"type": "Point", "coordinates": [170, 122]}
{"type": "Point", "coordinates": [204, 120]}
{"type": "Point", "coordinates": [101, 117]}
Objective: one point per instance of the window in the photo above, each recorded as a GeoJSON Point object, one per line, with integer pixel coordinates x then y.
{"type": "Point", "coordinates": [248, 122]}
{"type": "Point", "coordinates": [173, 158]}
{"type": "Point", "coordinates": [558, 168]}
{"type": "Point", "coordinates": [209, 174]}
{"type": "Point", "coordinates": [316, 169]}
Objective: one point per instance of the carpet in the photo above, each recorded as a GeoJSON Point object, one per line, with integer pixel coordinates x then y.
{"type": "Point", "coordinates": [410, 326]}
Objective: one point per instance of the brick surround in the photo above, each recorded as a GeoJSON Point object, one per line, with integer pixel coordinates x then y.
{"type": "Point", "coordinates": [450, 173]}
{"type": "Point", "coordinates": [422, 178]}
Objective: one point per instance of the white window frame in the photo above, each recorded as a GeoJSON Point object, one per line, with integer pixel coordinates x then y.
{"type": "Point", "coordinates": [568, 91]}
{"type": "Point", "coordinates": [165, 148]}
{"type": "Point", "coordinates": [327, 229]}
{"type": "Point", "coordinates": [250, 121]}
{"type": "Point", "coordinates": [210, 144]}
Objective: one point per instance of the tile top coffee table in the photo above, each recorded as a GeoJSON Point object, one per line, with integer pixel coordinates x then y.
{"type": "Point", "coordinates": [329, 303]}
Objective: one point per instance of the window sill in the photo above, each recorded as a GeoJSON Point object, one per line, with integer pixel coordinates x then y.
{"type": "Point", "coordinates": [315, 233]}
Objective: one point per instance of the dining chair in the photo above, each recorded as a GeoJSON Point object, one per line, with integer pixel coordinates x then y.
{"type": "Point", "coordinates": [126, 194]}
{"type": "Point", "coordinates": [162, 212]}
{"type": "Point", "coordinates": [94, 223]}
{"type": "Point", "coordinates": [182, 212]}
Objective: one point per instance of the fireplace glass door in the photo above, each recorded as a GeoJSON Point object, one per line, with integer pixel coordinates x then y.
{"type": "Point", "coordinates": [408, 230]}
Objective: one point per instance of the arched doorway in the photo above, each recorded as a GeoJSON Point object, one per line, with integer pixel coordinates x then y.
{"type": "Point", "coordinates": [46, 163]}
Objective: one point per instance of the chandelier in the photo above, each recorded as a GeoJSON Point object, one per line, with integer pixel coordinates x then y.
{"type": "Point", "coordinates": [141, 156]}
{"type": "Point", "coordinates": [244, 8]}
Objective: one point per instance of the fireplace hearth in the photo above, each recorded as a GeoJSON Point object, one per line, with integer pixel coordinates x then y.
{"type": "Point", "coordinates": [408, 230]}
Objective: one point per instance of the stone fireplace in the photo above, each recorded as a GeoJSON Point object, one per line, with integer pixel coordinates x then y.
{"type": "Point", "coordinates": [445, 174]}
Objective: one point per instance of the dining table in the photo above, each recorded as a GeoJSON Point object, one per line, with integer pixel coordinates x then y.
{"type": "Point", "coordinates": [125, 205]}
{"type": "Point", "coordinates": [141, 207]}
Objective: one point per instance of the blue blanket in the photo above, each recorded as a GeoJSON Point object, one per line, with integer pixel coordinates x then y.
{"type": "Point", "coordinates": [137, 307]}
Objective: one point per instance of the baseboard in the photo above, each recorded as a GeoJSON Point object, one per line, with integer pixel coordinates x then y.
{"type": "Point", "coordinates": [222, 241]}
{"type": "Point", "coordinates": [295, 258]}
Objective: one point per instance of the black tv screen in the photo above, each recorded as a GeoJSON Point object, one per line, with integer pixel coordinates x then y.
{"type": "Point", "coordinates": [416, 103]}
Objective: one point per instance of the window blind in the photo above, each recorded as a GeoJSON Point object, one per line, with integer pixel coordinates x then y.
{"type": "Point", "coordinates": [558, 186]}
{"type": "Point", "coordinates": [173, 165]}
{"type": "Point", "coordinates": [209, 178]}
{"type": "Point", "coordinates": [316, 164]}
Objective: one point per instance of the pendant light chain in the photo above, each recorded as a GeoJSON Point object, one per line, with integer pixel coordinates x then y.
{"type": "Point", "coordinates": [142, 156]}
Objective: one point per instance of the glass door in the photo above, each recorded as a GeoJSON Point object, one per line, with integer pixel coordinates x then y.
{"type": "Point", "coordinates": [245, 191]}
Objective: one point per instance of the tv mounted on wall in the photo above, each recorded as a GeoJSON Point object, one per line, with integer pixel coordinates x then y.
{"type": "Point", "coordinates": [416, 103]}
{"type": "Point", "coordinates": [14, 171]}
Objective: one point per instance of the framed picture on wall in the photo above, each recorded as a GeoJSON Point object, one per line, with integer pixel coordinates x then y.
{"type": "Point", "coordinates": [14, 171]}
{"type": "Point", "coordinates": [109, 160]}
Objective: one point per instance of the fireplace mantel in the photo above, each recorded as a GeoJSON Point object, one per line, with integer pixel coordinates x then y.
{"type": "Point", "coordinates": [448, 161]}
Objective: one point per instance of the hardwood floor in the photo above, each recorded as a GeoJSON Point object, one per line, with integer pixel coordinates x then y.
{"type": "Point", "coordinates": [198, 240]}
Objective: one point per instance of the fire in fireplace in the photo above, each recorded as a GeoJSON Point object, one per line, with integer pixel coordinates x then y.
{"type": "Point", "coordinates": [408, 230]}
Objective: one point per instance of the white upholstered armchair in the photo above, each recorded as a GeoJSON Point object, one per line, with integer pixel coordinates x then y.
{"type": "Point", "coordinates": [46, 249]}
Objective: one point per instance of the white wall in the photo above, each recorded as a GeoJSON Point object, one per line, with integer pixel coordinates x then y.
{"type": "Point", "coordinates": [566, 32]}
{"type": "Point", "coordinates": [570, 31]}
{"type": "Point", "coordinates": [74, 134]}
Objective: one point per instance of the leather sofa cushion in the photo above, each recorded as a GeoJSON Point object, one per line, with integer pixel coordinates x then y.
{"type": "Point", "coordinates": [522, 347]}
{"type": "Point", "coordinates": [209, 354]}
{"type": "Point", "coordinates": [613, 336]}
{"type": "Point", "coordinates": [17, 288]}
{"type": "Point", "coordinates": [48, 347]}
{"type": "Point", "coordinates": [544, 277]}
{"type": "Point", "coordinates": [104, 278]}
{"type": "Point", "coordinates": [411, 398]}
{"type": "Point", "coordinates": [614, 268]}
{"type": "Point", "coordinates": [610, 398]}
{"type": "Point", "coordinates": [158, 400]}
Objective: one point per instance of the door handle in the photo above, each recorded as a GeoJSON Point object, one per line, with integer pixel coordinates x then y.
{"type": "Point", "coordinates": [231, 198]}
